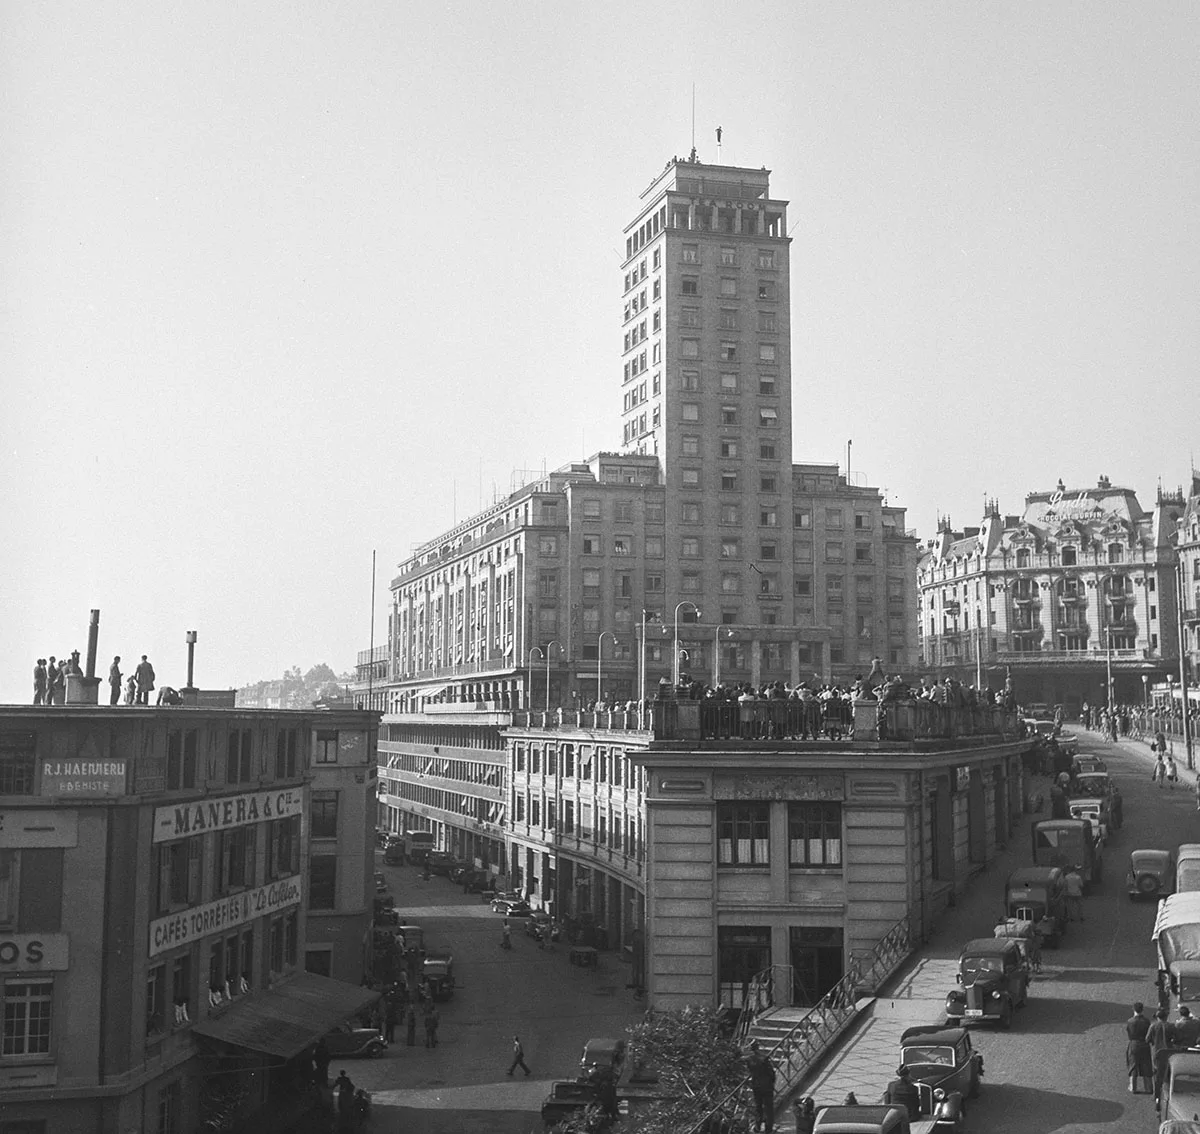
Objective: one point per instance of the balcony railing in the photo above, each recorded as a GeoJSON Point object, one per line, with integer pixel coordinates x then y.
{"type": "Point", "coordinates": [1090, 655]}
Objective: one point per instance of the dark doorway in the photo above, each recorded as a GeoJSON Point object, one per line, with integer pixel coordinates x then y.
{"type": "Point", "coordinates": [976, 817]}
{"type": "Point", "coordinates": [743, 951]}
{"type": "Point", "coordinates": [817, 962]}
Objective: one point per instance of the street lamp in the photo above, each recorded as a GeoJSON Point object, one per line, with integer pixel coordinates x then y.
{"type": "Point", "coordinates": [600, 656]}
{"type": "Point", "coordinates": [678, 606]}
{"type": "Point", "coordinates": [642, 675]}
{"type": "Point", "coordinates": [552, 642]}
{"type": "Point", "coordinates": [717, 652]}
{"type": "Point", "coordinates": [529, 666]}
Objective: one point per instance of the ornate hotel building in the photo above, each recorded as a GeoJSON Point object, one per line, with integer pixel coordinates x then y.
{"type": "Point", "coordinates": [1076, 591]}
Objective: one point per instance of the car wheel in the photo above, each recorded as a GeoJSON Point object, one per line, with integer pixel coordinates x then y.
{"type": "Point", "coordinates": [1147, 884]}
{"type": "Point", "coordinates": [374, 1050]}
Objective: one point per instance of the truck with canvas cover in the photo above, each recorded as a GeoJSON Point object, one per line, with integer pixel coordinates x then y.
{"type": "Point", "coordinates": [1176, 939]}
{"type": "Point", "coordinates": [1069, 844]}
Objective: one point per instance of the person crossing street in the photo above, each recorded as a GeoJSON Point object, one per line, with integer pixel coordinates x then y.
{"type": "Point", "coordinates": [518, 1057]}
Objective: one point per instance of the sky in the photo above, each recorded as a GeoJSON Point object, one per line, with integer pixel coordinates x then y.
{"type": "Point", "coordinates": [283, 285]}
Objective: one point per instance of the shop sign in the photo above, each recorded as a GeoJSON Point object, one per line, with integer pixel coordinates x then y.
{"type": "Point", "coordinates": [779, 787]}
{"type": "Point", "coordinates": [226, 913]}
{"type": "Point", "coordinates": [178, 820]}
{"type": "Point", "coordinates": [33, 952]}
{"type": "Point", "coordinates": [25, 827]}
{"type": "Point", "coordinates": [90, 779]}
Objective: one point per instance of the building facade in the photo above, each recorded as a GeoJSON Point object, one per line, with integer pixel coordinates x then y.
{"type": "Point", "coordinates": [1187, 548]}
{"type": "Point", "coordinates": [154, 906]}
{"type": "Point", "coordinates": [1077, 591]}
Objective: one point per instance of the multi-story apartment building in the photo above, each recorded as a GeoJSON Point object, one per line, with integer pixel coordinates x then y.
{"type": "Point", "coordinates": [1075, 592]}
{"type": "Point", "coordinates": [1187, 549]}
{"type": "Point", "coordinates": [154, 912]}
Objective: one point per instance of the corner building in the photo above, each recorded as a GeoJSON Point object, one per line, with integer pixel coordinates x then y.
{"type": "Point", "coordinates": [154, 912]}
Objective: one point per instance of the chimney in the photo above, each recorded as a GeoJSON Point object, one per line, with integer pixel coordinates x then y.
{"type": "Point", "coordinates": [84, 689]}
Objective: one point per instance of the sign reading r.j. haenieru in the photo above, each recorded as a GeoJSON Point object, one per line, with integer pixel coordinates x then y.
{"type": "Point", "coordinates": [194, 817]}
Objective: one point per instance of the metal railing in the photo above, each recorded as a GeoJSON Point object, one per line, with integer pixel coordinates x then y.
{"type": "Point", "coordinates": [808, 1040]}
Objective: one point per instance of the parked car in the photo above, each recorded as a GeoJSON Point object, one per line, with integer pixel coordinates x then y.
{"type": "Point", "coordinates": [1180, 1097]}
{"type": "Point", "coordinates": [505, 896]}
{"type": "Point", "coordinates": [602, 1055]}
{"type": "Point", "coordinates": [441, 862]}
{"type": "Point", "coordinates": [393, 853]}
{"type": "Point", "coordinates": [1095, 809]}
{"type": "Point", "coordinates": [1151, 873]}
{"type": "Point", "coordinates": [994, 982]}
{"type": "Point", "coordinates": [941, 1059]}
{"type": "Point", "coordinates": [1088, 764]}
{"type": "Point", "coordinates": [349, 1042]}
{"type": "Point", "coordinates": [474, 881]}
{"type": "Point", "coordinates": [861, 1120]}
{"type": "Point", "coordinates": [539, 924]}
{"type": "Point", "coordinates": [380, 882]}
{"type": "Point", "coordinates": [1068, 742]}
{"type": "Point", "coordinates": [566, 1099]}
{"type": "Point", "coordinates": [1100, 784]}
{"type": "Point", "coordinates": [511, 907]}
{"type": "Point", "coordinates": [438, 971]}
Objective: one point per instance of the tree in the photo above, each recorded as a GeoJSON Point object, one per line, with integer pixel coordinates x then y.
{"type": "Point", "coordinates": [698, 1066]}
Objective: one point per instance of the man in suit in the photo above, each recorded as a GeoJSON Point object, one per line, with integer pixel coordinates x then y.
{"type": "Point", "coordinates": [39, 682]}
{"type": "Point", "coordinates": [114, 681]}
{"type": "Point", "coordinates": [145, 681]}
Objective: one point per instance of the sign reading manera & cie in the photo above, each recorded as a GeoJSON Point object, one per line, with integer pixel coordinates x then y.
{"type": "Point", "coordinates": [194, 817]}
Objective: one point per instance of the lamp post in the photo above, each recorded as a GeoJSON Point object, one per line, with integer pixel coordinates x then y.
{"type": "Point", "coordinates": [552, 642]}
{"type": "Point", "coordinates": [529, 666]}
{"type": "Point", "coordinates": [678, 607]}
{"type": "Point", "coordinates": [600, 656]}
{"type": "Point", "coordinates": [717, 652]}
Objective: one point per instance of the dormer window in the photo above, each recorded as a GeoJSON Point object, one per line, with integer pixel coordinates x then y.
{"type": "Point", "coordinates": [1069, 553]}
{"type": "Point", "coordinates": [1022, 557]}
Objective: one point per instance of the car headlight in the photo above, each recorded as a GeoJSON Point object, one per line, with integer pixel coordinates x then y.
{"type": "Point", "coordinates": [939, 1094]}
{"type": "Point", "coordinates": [995, 996]}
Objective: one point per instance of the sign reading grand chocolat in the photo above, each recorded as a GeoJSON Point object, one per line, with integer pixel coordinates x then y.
{"type": "Point", "coordinates": [179, 820]}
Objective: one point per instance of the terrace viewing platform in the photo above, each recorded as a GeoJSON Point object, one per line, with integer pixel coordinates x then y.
{"type": "Point", "coordinates": [913, 725]}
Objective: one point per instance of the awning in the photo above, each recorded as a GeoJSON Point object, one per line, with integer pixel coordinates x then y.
{"type": "Point", "coordinates": [428, 691]}
{"type": "Point", "coordinates": [284, 1020]}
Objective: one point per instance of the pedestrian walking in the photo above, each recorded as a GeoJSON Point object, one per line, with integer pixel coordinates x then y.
{"type": "Point", "coordinates": [144, 675]}
{"type": "Point", "coordinates": [321, 1059]}
{"type": "Point", "coordinates": [345, 1101]}
{"type": "Point", "coordinates": [1074, 895]}
{"type": "Point", "coordinates": [1172, 772]}
{"type": "Point", "coordinates": [432, 1019]}
{"type": "Point", "coordinates": [114, 680]}
{"type": "Point", "coordinates": [1138, 1061]}
{"type": "Point", "coordinates": [411, 1037]}
{"type": "Point", "coordinates": [1159, 774]}
{"type": "Point", "coordinates": [762, 1087]}
{"type": "Point", "coordinates": [1159, 1039]}
{"type": "Point", "coordinates": [518, 1057]}
{"type": "Point", "coordinates": [394, 1014]}
{"type": "Point", "coordinates": [39, 682]}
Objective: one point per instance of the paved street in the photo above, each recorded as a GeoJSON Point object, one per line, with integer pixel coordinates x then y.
{"type": "Point", "coordinates": [1062, 1067]}
{"type": "Point", "coordinates": [555, 1007]}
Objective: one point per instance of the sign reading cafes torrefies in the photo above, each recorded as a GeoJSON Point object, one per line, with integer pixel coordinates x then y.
{"type": "Point", "coordinates": [225, 913]}
{"type": "Point", "coordinates": [179, 820]}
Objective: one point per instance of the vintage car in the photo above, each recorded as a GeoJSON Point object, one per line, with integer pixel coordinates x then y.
{"type": "Point", "coordinates": [1180, 1095]}
{"type": "Point", "coordinates": [1088, 763]}
{"type": "Point", "coordinates": [511, 907]}
{"type": "Point", "coordinates": [602, 1055]}
{"type": "Point", "coordinates": [1180, 1126]}
{"type": "Point", "coordinates": [945, 1068]}
{"type": "Point", "coordinates": [994, 980]}
{"type": "Point", "coordinates": [1151, 873]}
{"type": "Point", "coordinates": [880, 1119]}
{"type": "Point", "coordinates": [504, 896]}
{"type": "Point", "coordinates": [349, 1042]}
{"type": "Point", "coordinates": [1187, 868]}
{"type": "Point", "coordinates": [566, 1099]}
{"type": "Point", "coordinates": [380, 882]}
{"type": "Point", "coordinates": [1093, 808]}
{"type": "Point", "coordinates": [413, 935]}
{"type": "Point", "coordinates": [1099, 783]}
{"type": "Point", "coordinates": [438, 971]}
{"type": "Point", "coordinates": [1038, 894]}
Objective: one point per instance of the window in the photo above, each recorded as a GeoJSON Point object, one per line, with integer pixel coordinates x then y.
{"type": "Point", "coordinates": [622, 545]}
{"type": "Point", "coordinates": [833, 587]}
{"type": "Point", "coordinates": [814, 834]}
{"type": "Point", "coordinates": [656, 322]}
{"type": "Point", "coordinates": [766, 289]}
{"type": "Point", "coordinates": [729, 448]}
{"type": "Point", "coordinates": [729, 481]}
{"type": "Point", "coordinates": [768, 549]}
{"type": "Point", "coordinates": [731, 548]}
{"type": "Point", "coordinates": [591, 545]}
{"type": "Point", "coordinates": [548, 584]}
{"type": "Point", "coordinates": [895, 557]}
{"type": "Point", "coordinates": [323, 815]}
{"type": "Point", "coordinates": [729, 415]}
{"type": "Point", "coordinates": [728, 286]}
{"type": "Point", "coordinates": [170, 1108]}
{"type": "Point", "coordinates": [237, 757]}
{"type": "Point", "coordinates": [766, 321]}
{"type": "Point", "coordinates": [768, 517]}
{"type": "Point", "coordinates": [177, 874]}
{"type": "Point", "coordinates": [691, 253]}
{"type": "Point", "coordinates": [156, 1001]}
{"type": "Point", "coordinates": [802, 551]}
{"type": "Point", "coordinates": [689, 547]}
{"type": "Point", "coordinates": [591, 509]}
{"type": "Point", "coordinates": [689, 380]}
{"type": "Point", "coordinates": [548, 545]}
{"type": "Point", "coordinates": [766, 384]}
{"type": "Point", "coordinates": [731, 514]}
{"type": "Point", "coordinates": [655, 511]}
{"type": "Point", "coordinates": [235, 859]}
{"type": "Point", "coordinates": [181, 983]}
{"type": "Point", "coordinates": [283, 847]}
{"type": "Point", "coordinates": [728, 352]}
{"type": "Point", "coordinates": [768, 418]}
{"type": "Point", "coordinates": [654, 582]}
{"type": "Point", "coordinates": [768, 482]}
{"type": "Point", "coordinates": [591, 582]}
{"type": "Point", "coordinates": [768, 584]}
{"type": "Point", "coordinates": [766, 450]}
{"type": "Point", "coordinates": [690, 513]}
{"type": "Point", "coordinates": [835, 551]}
{"type": "Point", "coordinates": [834, 518]}
{"type": "Point", "coordinates": [689, 582]}
{"type": "Point", "coordinates": [654, 547]}
{"type": "Point", "coordinates": [1116, 553]}
{"type": "Point", "coordinates": [690, 478]}
{"type": "Point", "coordinates": [28, 1011]}
{"type": "Point", "coordinates": [591, 621]}
{"type": "Point", "coordinates": [656, 260]}
{"type": "Point", "coordinates": [731, 583]}
{"type": "Point", "coordinates": [690, 285]}
{"type": "Point", "coordinates": [729, 383]}
{"type": "Point", "coordinates": [862, 553]}
{"type": "Point", "coordinates": [322, 882]}
{"type": "Point", "coordinates": [285, 751]}
{"type": "Point", "coordinates": [690, 411]}
{"type": "Point", "coordinates": [743, 834]}
{"type": "Point", "coordinates": [729, 321]}
{"type": "Point", "coordinates": [802, 585]}
{"type": "Point", "coordinates": [327, 747]}
{"type": "Point", "coordinates": [181, 759]}
{"type": "Point", "coordinates": [766, 257]}
{"type": "Point", "coordinates": [802, 518]}
{"type": "Point", "coordinates": [689, 445]}
{"type": "Point", "coordinates": [766, 352]}
{"type": "Point", "coordinates": [728, 256]}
